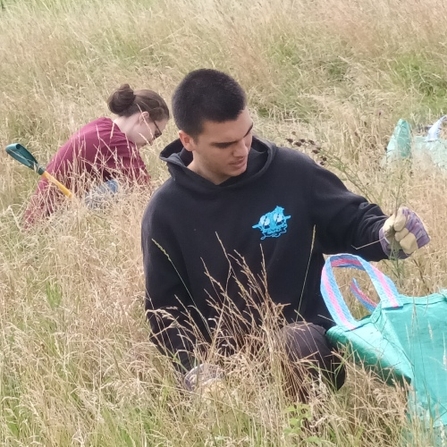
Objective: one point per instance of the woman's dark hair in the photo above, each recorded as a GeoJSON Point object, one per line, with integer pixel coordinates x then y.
{"type": "Point", "coordinates": [125, 102]}
{"type": "Point", "coordinates": [206, 95]}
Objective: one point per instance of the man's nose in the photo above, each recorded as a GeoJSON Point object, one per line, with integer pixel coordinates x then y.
{"type": "Point", "coordinates": [240, 149]}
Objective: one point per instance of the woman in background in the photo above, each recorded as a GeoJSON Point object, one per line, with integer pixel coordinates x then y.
{"type": "Point", "coordinates": [105, 152]}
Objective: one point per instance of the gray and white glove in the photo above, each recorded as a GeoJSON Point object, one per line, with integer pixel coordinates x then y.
{"type": "Point", "coordinates": [204, 377]}
{"type": "Point", "coordinates": [403, 233]}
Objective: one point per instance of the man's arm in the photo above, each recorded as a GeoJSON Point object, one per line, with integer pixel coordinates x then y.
{"type": "Point", "coordinates": [168, 301]}
{"type": "Point", "coordinates": [345, 222]}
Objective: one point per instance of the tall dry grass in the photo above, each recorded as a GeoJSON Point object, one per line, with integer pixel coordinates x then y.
{"type": "Point", "coordinates": [76, 365]}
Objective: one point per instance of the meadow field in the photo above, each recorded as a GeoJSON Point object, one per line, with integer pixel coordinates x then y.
{"type": "Point", "coordinates": [76, 364]}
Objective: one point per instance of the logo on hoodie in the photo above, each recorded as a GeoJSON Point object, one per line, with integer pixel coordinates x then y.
{"type": "Point", "coordinates": [273, 224]}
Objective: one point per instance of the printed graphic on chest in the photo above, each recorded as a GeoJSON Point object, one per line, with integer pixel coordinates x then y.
{"type": "Point", "coordinates": [273, 223]}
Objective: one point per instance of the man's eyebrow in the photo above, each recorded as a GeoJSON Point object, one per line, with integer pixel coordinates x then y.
{"type": "Point", "coordinates": [229, 143]}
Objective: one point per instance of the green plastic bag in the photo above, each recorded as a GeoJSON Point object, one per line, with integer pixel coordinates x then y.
{"type": "Point", "coordinates": [399, 145]}
{"type": "Point", "coordinates": [404, 339]}
{"type": "Point", "coordinates": [428, 150]}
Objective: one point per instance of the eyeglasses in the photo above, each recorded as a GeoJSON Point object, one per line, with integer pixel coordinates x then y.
{"type": "Point", "coordinates": [158, 133]}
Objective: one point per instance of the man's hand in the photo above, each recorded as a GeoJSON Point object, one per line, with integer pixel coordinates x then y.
{"type": "Point", "coordinates": [204, 378]}
{"type": "Point", "coordinates": [403, 233]}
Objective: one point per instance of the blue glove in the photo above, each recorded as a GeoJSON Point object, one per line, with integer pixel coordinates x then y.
{"type": "Point", "coordinates": [403, 233]}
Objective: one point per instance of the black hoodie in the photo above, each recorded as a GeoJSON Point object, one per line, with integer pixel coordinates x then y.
{"type": "Point", "coordinates": [197, 237]}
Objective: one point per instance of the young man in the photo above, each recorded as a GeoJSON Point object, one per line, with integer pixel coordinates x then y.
{"type": "Point", "coordinates": [235, 202]}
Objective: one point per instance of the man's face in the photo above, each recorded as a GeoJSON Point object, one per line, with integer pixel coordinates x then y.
{"type": "Point", "coordinates": [221, 150]}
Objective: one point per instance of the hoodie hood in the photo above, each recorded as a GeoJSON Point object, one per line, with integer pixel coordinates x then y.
{"type": "Point", "coordinates": [178, 158]}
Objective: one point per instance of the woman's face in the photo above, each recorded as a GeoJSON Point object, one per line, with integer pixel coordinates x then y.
{"type": "Point", "coordinates": [146, 130]}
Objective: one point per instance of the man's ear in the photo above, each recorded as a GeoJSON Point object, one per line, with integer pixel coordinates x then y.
{"type": "Point", "coordinates": [187, 140]}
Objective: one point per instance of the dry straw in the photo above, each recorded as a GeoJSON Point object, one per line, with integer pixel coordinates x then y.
{"type": "Point", "coordinates": [77, 368]}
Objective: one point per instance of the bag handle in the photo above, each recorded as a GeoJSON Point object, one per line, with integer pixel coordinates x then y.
{"type": "Point", "coordinates": [333, 298]}
{"type": "Point", "coordinates": [435, 130]}
{"type": "Point", "coordinates": [361, 296]}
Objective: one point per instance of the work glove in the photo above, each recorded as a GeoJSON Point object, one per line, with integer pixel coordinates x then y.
{"type": "Point", "coordinates": [403, 233]}
{"type": "Point", "coordinates": [204, 378]}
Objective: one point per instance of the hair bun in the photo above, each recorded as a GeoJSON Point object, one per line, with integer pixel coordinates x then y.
{"type": "Point", "coordinates": [121, 99]}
